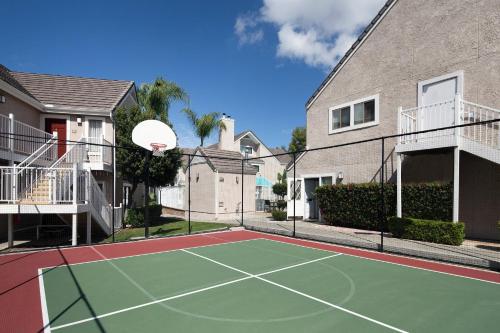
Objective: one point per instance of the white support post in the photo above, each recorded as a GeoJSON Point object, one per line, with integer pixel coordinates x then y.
{"type": "Point", "coordinates": [74, 231]}
{"type": "Point", "coordinates": [456, 182]}
{"type": "Point", "coordinates": [89, 227]}
{"type": "Point", "coordinates": [11, 138]}
{"type": "Point", "coordinates": [399, 127]}
{"type": "Point", "coordinates": [75, 183]}
{"type": "Point", "coordinates": [10, 231]}
{"type": "Point", "coordinates": [399, 201]}
{"type": "Point", "coordinates": [457, 118]}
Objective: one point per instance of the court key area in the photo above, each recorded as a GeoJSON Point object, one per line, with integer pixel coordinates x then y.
{"type": "Point", "coordinates": [260, 285]}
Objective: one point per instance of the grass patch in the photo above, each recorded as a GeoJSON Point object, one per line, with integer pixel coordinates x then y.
{"type": "Point", "coordinates": [164, 226]}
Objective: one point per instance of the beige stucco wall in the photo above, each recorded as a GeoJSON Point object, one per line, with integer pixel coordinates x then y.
{"type": "Point", "coordinates": [202, 189]}
{"type": "Point", "coordinates": [417, 40]}
{"type": "Point", "coordinates": [229, 195]}
{"type": "Point", "coordinates": [22, 111]}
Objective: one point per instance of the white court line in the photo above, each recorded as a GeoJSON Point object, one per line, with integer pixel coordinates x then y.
{"type": "Point", "coordinates": [149, 253]}
{"type": "Point", "coordinates": [384, 261]}
{"type": "Point", "coordinates": [43, 301]}
{"type": "Point", "coordinates": [249, 276]}
{"type": "Point", "coordinates": [258, 276]}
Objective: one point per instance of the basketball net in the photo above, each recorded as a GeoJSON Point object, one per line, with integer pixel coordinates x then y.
{"type": "Point", "coordinates": [158, 148]}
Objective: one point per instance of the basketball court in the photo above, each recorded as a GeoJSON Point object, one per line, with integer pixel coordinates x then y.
{"type": "Point", "coordinates": [242, 281]}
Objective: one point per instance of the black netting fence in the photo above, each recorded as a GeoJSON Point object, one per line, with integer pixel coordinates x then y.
{"type": "Point", "coordinates": [433, 194]}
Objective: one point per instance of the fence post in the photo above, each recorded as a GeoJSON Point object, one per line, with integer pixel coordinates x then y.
{"type": "Point", "coordinates": [382, 199]}
{"type": "Point", "coordinates": [189, 194]}
{"type": "Point", "coordinates": [114, 188]}
{"type": "Point", "coordinates": [242, 189]}
{"type": "Point", "coordinates": [294, 192]}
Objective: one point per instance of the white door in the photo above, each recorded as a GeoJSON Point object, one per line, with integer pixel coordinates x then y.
{"type": "Point", "coordinates": [299, 197]}
{"type": "Point", "coordinates": [438, 95]}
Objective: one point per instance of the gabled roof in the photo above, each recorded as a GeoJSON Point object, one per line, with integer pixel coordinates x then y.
{"type": "Point", "coordinates": [5, 75]}
{"type": "Point", "coordinates": [74, 93]}
{"type": "Point", "coordinates": [284, 159]}
{"type": "Point", "coordinates": [229, 161]}
{"type": "Point", "coordinates": [353, 48]}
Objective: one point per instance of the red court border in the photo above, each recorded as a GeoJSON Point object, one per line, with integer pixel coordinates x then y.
{"type": "Point", "coordinates": [20, 308]}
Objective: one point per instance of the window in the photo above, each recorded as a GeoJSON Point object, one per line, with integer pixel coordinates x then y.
{"type": "Point", "coordinates": [256, 167]}
{"type": "Point", "coordinates": [246, 150]}
{"type": "Point", "coordinates": [326, 180]}
{"type": "Point", "coordinates": [364, 112]}
{"type": "Point", "coordinates": [353, 115]}
{"type": "Point", "coordinates": [341, 118]}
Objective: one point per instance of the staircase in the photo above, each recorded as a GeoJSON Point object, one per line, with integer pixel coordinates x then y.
{"type": "Point", "coordinates": [39, 180]}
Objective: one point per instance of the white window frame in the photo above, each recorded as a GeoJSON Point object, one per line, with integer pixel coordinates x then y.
{"type": "Point", "coordinates": [351, 104]}
{"type": "Point", "coordinates": [258, 167]}
{"type": "Point", "coordinates": [459, 75]}
{"type": "Point", "coordinates": [103, 122]}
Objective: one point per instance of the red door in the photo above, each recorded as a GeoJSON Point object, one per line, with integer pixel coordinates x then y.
{"type": "Point", "coordinates": [59, 126]}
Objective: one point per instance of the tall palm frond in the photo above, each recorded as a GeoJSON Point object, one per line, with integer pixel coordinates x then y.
{"type": "Point", "coordinates": [205, 124]}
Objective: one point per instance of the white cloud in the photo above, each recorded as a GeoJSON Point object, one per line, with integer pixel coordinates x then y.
{"type": "Point", "coordinates": [247, 30]}
{"type": "Point", "coordinates": [317, 32]}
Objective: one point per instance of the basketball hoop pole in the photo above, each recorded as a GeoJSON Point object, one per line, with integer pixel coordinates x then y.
{"type": "Point", "coordinates": [146, 195]}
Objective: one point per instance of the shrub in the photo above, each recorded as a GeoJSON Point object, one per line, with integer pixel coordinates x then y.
{"type": "Point", "coordinates": [359, 205]}
{"type": "Point", "coordinates": [427, 230]}
{"type": "Point", "coordinates": [280, 189]}
{"type": "Point", "coordinates": [281, 204]}
{"type": "Point", "coordinates": [278, 215]}
{"type": "Point", "coordinates": [135, 216]}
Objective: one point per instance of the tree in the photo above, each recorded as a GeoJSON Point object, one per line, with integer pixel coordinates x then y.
{"type": "Point", "coordinates": [280, 190]}
{"type": "Point", "coordinates": [205, 124]}
{"type": "Point", "coordinates": [131, 159]}
{"type": "Point", "coordinates": [298, 141]}
{"type": "Point", "coordinates": [157, 97]}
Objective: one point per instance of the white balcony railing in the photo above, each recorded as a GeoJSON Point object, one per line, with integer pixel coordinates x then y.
{"type": "Point", "coordinates": [22, 138]}
{"type": "Point", "coordinates": [445, 114]}
{"type": "Point", "coordinates": [486, 134]}
{"type": "Point", "coordinates": [99, 150]}
{"type": "Point", "coordinates": [36, 185]}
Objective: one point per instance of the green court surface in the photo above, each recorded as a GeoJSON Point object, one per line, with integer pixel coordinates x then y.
{"type": "Point", "coordinates": [262, 286]}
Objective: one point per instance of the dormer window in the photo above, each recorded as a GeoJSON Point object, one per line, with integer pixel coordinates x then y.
{"type": "Point", "coordinates": [246, 150]}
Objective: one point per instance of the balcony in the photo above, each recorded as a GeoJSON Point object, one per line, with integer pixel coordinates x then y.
{"type": "Point", "coordinates": [99, 154]}
{"type": "Point", "coordinates": [23, 141]}
{"type": "Point", "coordinates": [477, 139]}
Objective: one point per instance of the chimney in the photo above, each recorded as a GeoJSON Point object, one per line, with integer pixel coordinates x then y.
{"type": "Point", "coordinates": [226, 137]}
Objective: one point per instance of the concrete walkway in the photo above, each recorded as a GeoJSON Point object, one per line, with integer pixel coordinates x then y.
{"type": "Point", "coordinates": [476, 253]}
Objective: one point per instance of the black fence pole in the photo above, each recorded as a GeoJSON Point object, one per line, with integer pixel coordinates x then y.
{"type": "Point", "coordinates": [242, 190]}
{"type": "Point", "coordinates": [146, 196]}
{"type": "Point", "coordinates": [382, 197]}
{"type": "Point", "coordinates": [189, 194]}
{"type": "Point", "coordinates": [294, 192]}
{"type": "Point", "coordinates": [114, 194]}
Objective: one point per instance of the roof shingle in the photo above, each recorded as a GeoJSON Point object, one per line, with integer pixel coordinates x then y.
{"type": "Point", "coordinates": [226, 161]}
{"type": "Point", "coordinates": [74, 93]}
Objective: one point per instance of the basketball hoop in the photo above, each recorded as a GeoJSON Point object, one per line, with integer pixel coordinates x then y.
{"type": "Point", "coordinates": [155, 136]}
{"type": "Point", "coordinates": [158, 149]}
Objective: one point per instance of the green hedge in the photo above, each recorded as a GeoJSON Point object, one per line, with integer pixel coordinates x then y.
{"type": "Point", "coordinates": [358, 205]}
{"type": "Point", "coordinates": [135, 216]}
{"type": "Point", "coordinates": [278, 215]}
{"type": "Point", "coordinates": [427, 230]}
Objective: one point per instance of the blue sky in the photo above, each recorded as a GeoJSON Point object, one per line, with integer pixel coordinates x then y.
{"type": "Point", "coordinates": [258, 60]}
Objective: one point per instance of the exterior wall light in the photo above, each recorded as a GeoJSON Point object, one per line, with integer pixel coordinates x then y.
{"type": "Point", "coordinates": [2, 99]}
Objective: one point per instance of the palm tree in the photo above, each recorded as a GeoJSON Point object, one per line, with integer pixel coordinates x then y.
{"type": "Point", "coordinates": [205, 124]}
{"type": "Point", "coordinates": [156, 98]}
